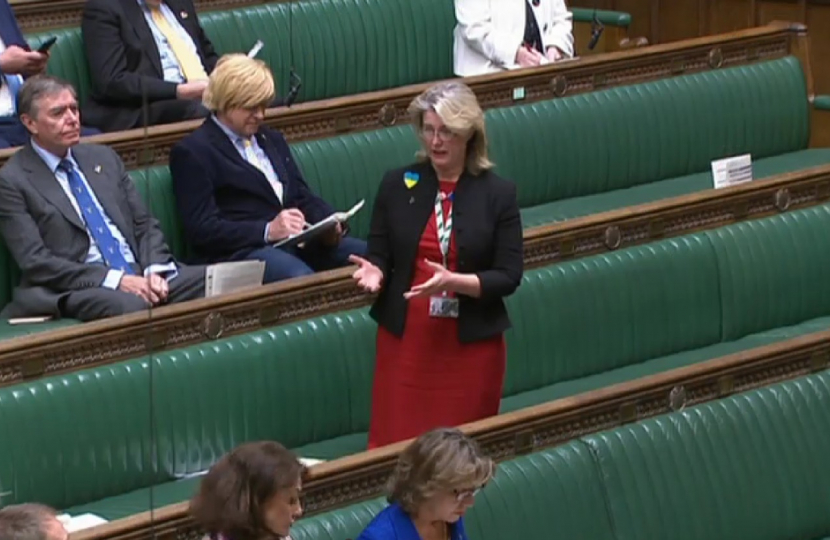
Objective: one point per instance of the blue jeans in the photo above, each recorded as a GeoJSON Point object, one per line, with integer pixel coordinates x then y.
{"type": "Point", "coordinates": [293, 262]}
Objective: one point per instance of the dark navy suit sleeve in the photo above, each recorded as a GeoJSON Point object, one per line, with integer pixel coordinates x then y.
{"type": "Point", "coordinates": [193, 184]}
{"type": "Point", "coordinates": [313, 207]}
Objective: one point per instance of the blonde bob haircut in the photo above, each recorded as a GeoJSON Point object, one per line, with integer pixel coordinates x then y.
{"type": "Point", "coordinates": [443, 459]}
{"type": "Point", "coordinates": [239, 82]}
{"type": "Point", "coordinates": [457, 106]}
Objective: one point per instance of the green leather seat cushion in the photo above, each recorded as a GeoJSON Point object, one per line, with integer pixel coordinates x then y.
{"type": "Point", "coordinates": [674, 187]}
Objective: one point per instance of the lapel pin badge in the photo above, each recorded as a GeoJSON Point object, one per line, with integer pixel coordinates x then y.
{"type": "Point", "coordinates": [98, 169]}
{"type": "Point", "coordinates": [410, 179]}
{"type": "Point", "coordinates": [411, 200]}
{"type": "Point", "coordinates": [183, 14]}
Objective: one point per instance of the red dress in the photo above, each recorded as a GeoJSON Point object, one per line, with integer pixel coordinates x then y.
{"type": "Point", "coordinates": [427, 378]}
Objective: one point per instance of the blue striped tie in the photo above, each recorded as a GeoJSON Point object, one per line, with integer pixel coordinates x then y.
{"type": "Point", "coordinates": [14, 83]}
{"type": "Point", "coordinates": [110, 249]}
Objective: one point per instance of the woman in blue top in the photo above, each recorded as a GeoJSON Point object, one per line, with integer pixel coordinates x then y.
{"type": "Point", "coordinates": [434, 483]}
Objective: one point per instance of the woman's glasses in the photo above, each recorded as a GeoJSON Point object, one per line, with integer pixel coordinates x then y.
{"type": "Point", "coordinates": [444, 134]}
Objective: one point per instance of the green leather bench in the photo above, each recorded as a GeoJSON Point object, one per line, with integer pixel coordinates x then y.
{"type": "Point", "coordinates": [340, 47]}
{"type": "Point", "coordinates": [656, 307]}
{"type": "Point", "coordinates": [573, 156]}
{"type": "Point", "coordinates": [752, 466]}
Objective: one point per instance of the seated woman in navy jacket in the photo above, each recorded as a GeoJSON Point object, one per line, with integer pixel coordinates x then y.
{"type": "Point", "coordinates": [239, 190]}
{"type": "Point", "coordinates": [434, 483]}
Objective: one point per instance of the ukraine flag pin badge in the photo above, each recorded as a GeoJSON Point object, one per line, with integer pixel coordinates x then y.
{"type": "Point", "coordinates": [410, 179]}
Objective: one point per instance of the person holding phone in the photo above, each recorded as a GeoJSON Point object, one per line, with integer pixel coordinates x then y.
{"type": "Point", "coordinates": [17, 63]}
{"type": "Point", "coordinates": [496, 35]}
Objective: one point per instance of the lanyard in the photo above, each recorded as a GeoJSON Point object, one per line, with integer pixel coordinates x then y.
{"type": "Point", "coordinates": [444, 226]}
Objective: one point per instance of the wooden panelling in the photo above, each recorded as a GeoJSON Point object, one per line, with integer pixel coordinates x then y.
{"type": "Point", "coordinates": [777, 11]}
{"type": "Point", "coordinates": [818, 23]}
{"type": "Point", "coordinates": [678, 19]}
{"type": "Point", "coordinates": [729, 15]}
{"type": "Point", "coordinates": [663, 21]}
{"type": "Point", "coordinates": [641, 17]}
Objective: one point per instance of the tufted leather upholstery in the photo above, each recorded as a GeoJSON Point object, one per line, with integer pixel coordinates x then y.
{"type": "Point", "coordinates": [578, 326]}
{"type": "Point", "coordinates": [327, 53]}
{"type": "Point", "coordinates": [748, 466]}
{"type": "Point", "coordinates": [552, 494]}
{"type": "Point", "coordinates": [609, 149]}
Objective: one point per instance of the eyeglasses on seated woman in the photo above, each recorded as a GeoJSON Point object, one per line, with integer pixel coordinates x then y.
{"type": "Point", "coordinates": [434, 483]}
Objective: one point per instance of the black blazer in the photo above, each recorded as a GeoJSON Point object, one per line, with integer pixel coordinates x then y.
{"type": "Point", "coordinates": [224, 202]}
{"type": "Point", "coordinates": [122, 55]}
{"type": "Point", "coordinates": [488, 237]}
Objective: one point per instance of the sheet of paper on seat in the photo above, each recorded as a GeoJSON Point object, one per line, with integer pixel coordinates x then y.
{"type": "Point", "coordinates": [80, 522]}
{"type": "Point", "coordinates": [224, 278]}
{"type": "Point", "coordinates": [310, 462]}
{"type": "Point", "coordinates": [732, 171]}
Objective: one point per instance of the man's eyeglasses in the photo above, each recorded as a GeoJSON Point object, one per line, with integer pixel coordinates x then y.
{"type": "Point", "coordinates": [444, 134]}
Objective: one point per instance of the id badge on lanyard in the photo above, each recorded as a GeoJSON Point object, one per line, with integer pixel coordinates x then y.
{"type": "Point", "coordinates": [443, 305]}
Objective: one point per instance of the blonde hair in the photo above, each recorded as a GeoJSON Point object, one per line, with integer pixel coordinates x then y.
{"type": "Point", "coordinates": [439, 460]}
{"type": "Point", "coordinates": [457, 106]}
{"type": "Point", "coordinates": [239, 82]}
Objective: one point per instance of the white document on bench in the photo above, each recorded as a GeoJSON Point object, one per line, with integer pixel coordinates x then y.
{"type": "Point", "coordinates": [224, 278]}
{"type": "Point", "coordinates": [732, 171]}
{"type": "Point", "coordinates": [80, 522]}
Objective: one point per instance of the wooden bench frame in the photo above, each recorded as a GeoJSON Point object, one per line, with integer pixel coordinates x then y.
{"type": "Point", "coordinates": [373, 110]}
{"type": "Point", "coordinates": [175, 326]}
{"type": "Point", "coordinates": [361, 476]}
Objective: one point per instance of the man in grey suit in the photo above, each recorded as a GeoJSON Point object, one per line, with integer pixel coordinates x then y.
{"type": "Point", "coordinates": [86, 245]}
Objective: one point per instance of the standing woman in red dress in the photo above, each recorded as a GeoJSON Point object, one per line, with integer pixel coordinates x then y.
{"type": "Point", "coordinates": [445, 248]}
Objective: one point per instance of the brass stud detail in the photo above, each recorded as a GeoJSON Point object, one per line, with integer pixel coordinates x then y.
{"type": "Point", "coordinates": [559, 85]}
{"type": "Point", "coordinates": [613, 237]}
{"type": "Point", "coordinates": [677, 398]}
{"type": "Point", "coordinates": [715, 58]}
{"type": "Point", "coordinates": [213, 326]}
{"type": "Point", "coordinates": [388, 115]}
{"type": "Point", "coordinates": [782, 199]}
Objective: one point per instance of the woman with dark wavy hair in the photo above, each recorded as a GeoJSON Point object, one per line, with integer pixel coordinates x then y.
{"type": "Point", "coordinates": [251, 493]}
{"type": "Point", "coordinates": [434, 483]}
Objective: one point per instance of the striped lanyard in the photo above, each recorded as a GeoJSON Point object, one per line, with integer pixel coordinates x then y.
{"type": "Point", "coordinates": [444, 226]}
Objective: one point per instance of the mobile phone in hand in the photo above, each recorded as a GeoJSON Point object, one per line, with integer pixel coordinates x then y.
{"type": "Point", "coordinates": [46, 45]}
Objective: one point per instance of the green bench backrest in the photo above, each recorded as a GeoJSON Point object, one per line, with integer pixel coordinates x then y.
{"type": "Point", "coordinates": [563, 148]}
{"type": "Point", "coordinates": [644, 301]}
{"type": "Point", "coordinates": [86, 435]}
{"type": "Point", "coordinates": [749, 466]}
{"type": "Point", "coordinates": [340, 47]}
{"type": "Point", "coordinates": [631, 135]}
{"type": "Point", "coordinates": [551, 494]}
{"type": "Point", "coordinates": [613, 310]}
{"type": "Point", "coordinates": [773, 272]}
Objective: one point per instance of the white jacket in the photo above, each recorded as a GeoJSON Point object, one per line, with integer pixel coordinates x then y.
{"type": "Point", "coordinates": [489, 32]}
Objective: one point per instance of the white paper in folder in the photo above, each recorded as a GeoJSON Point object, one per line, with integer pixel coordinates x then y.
{"type": "Point", "coordinates": [224, 278]}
